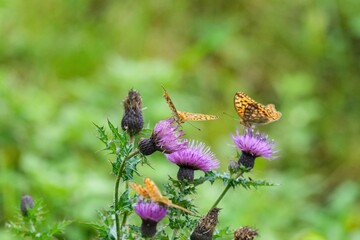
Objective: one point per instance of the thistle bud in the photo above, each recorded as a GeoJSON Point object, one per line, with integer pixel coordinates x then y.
{"type": "Point", "coordinates": [147, 146]}
{"type": "Point", "coordinates": [245, 233]}
{"type": "Point", "coordinates": [132, 121]}
{"type": "Point", "coordinates": [26, 203]}
{"type": "Point", "coordinates": [233, 167]}
{"type": "Point", "coordinates": [206, 226]}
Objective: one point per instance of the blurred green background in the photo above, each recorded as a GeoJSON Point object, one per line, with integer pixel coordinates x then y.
{"type": "Point", "coordinates": [65, 64]}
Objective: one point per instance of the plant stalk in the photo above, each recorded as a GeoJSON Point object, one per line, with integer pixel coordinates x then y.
{"type": "Point", "coordinates": [225, 191]}
{"type": "Point", "coordinates": [117, 183]}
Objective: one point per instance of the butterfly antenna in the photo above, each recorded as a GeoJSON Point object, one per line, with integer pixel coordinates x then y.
{"type": "Point", "coordinates": [163, 88]}
{"type": "Point", "coordinates": [231, 116]}
{"type": "Point", "coordinates": [194, 126]}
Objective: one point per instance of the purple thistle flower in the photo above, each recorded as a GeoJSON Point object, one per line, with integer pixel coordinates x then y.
{"type": "Point", "coordinates": [195, 157]}
{"type": "Point", "coordinates": [150, 213]}
{"type": "Point", "coordinates": [253, 146]}
{"type": "Point", "coordinates": [165, 138]}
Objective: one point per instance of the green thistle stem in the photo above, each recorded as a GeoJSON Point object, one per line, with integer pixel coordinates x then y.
{"type": "Point", "coordinates": [123, 221]}
{"type": "Point", "coordinates": [117, 183]}
{"type": "Point", "coordinates": [131, 141]}
{"type": "Point", "coordinates": [225, 191]}
{"type": "Point", "coordinates": [125, 214]}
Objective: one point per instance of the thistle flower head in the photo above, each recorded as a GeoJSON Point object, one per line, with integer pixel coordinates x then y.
{"type": "Point", "coordinates": [166, 138]}
{"type": "Point", "coordinates": [132, 121]}
{"type": "Point", "coordinates": [150, 213]}
{"type": "Point", "coordinates": [196, 156]}
{"type": "Point", "coordinates": [253, 145]}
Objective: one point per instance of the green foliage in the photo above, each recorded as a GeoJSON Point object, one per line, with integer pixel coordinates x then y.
{"type": "Point", "coordinates": [227, 178]}
{"type": "Point", "coordinates": [125, 202]}
{"type": "Point", "coordinates": [224, 233]}
{"type": "Point", "coordinates": [177, 191]}
{"type": "Point", "coordinates": [102, 227]}
{"type": "Point", "coordinates": [34, 224]}
{"type": "Point", "coordinates": [118, 145]}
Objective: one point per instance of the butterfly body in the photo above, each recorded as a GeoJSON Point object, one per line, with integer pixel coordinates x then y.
{"type": "Point", "coordinates": [152, 192]}
{"type": "Point", "coordinates": [253, 113]}
{"type": "Point", "coordinates": [182, 117]}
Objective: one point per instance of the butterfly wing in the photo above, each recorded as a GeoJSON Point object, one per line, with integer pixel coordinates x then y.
{"type": "Point", "coordinates": [171, 106]}
{"type": "Point", "coordinates": [241, 103]}
{"type": "Point", "coordinates": [241, 100]}
{"type": "Point", "coordinates": [139, 190]}
{"type": "Point", "coordinates": [186, 116]}
{"type": "Point", "coordinates": [273, 113]}
{"type": "Point", "coordinates": [153, 191]}
{"type": "Point", "coordinates": [156, 196]}
{"type": "Point", "coordinates": [255, 113]}
{"type": "Point", "coordinates": [182, 117]}
{"type": "Point", "coordinates": [251, 112]}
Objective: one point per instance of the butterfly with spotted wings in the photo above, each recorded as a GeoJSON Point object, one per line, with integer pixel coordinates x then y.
{"type": "Point", "coordinates": [152, 192]}
{"type": "Point", "coordinates": [253, 113]}
{"type": "Point", "coordinates": [182, 117]}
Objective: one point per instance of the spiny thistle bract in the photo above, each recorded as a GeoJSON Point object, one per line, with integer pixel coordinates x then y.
{"type": "Point", "coordinates": [206, 226]}
{"type": "Point", "coordinates": [132, 121]}
{"type": "Point", "coordinates": [245, 233]}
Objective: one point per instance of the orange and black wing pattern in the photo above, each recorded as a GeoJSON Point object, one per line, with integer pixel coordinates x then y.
{"type": "Point", "coordinates": [152, 192]}
{"type": "Point", "coordinates": [253, 113]}
{"type": "Point", "coordinates": [182, 117]}
{"type": "Point", "coordinates": [139, 190]}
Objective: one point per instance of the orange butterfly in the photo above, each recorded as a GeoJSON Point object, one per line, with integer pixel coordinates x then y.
{"type": "Point", "coordinates": [182, 117]}
{"type": "Point", "coordinates": [253, 113]}
{"type": "Point", "coordinates": [152, 192]}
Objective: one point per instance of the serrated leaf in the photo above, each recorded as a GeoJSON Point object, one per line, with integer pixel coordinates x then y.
{"type": "Point", "coordinates": [125, 202]}
{"type": "Point", "coordinates": [114, 130]}
{"type": "Point", "coordinates": [58, 228]}
{"type": "Point", "coordinates": [224, 233]}
{"type": "Point", "coordinates": [102, 134]}
{"type": "Point", "coordinates": [249, 183]}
